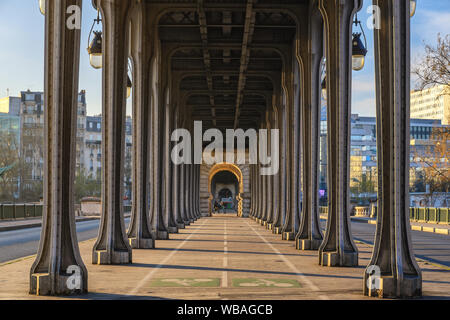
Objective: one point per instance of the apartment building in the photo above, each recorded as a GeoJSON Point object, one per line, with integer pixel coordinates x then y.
{"type": "Point", "coordinates": [431, 103]}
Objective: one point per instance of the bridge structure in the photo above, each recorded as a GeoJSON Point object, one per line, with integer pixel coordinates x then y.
{"type": "Point", "coordinates": [253, 64]}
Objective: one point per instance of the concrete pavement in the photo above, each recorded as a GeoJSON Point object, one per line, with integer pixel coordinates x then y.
{"type": "Point", "coordinates": [220, 257]}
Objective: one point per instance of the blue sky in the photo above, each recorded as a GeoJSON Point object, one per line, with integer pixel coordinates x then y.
{"type": "Point", "coordinates": [22, 54]}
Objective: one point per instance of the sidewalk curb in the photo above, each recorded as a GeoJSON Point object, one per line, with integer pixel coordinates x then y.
{"type": "Point", "coordinates": [38, 224]}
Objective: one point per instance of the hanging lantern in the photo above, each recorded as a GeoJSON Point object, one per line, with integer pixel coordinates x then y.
{"type": "Point", "coordinates": [358, 52]}
{"type": "Point", "coordinates": [42, 6]}
{"type": "Point", "coordinates": [95, 51]}
{"type": "Point", "coordinates": [413, 5]}
{"type": "Point", "coordinates": [129, 86]}
{"type": "Point", "coordinates": [95, 48]}
{"type": "Point", "coordinates": [324, 88]}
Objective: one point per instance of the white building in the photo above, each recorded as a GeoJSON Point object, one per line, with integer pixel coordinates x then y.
{"type": "Point", "coordinates": [10, 105]}
{"type": "Point", "coordinates": [431, 104]}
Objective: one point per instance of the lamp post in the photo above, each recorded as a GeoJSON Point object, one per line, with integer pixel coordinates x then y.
{"type": "Point", "coordinates": [359, 50]}
{"type": "Point", "coordinates": [413, 5]}
{"type": "Point", "coordinates": [129, 86]}
{"type": "Point", "coordinates": [95, 48]}
{"type": "Point", "coordinates": [324, 88]}
{"type": "Point", "coordinates": [42, 6]}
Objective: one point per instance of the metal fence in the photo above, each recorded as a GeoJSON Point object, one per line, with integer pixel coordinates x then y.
{"type": "Point", "coordinates": [23, 211]}
{"type": "Point", "coordinates": [20, 211]}
{"type": "Point", "coordinates": [431, 215]}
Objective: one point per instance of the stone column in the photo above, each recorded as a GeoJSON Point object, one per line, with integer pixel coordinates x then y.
{"type": "Point", "coordinates": [338, 248]}
{"type": "Point", "coordinates": [176, 184]}
{"type": "Point", "coordinates": [281, 210]}
{"type": "Point", "coordinates": [274, 181]}
{"type": "Point", "coordinates": [139, 233]}
{"type": "Point", "coordinates": [255, 191]}
{"type": "Point", "coordinates": [192, 192]}
{"type": "Point", "coordinates": [176, 180]}
{"type": "Point", "coordinates": [269, 218]}
{"type": "Point", "coordinates": [168, 167]}
{"type": "Point", "coordinates": [252, 191]}
{"type": "Point", "coordinates": [291, 224]}
{"type": "Point", "coordinates": [157, 210]}
{"type": "Point", "coordinates": [187, 192]}
{"type": "Point", "coordinates": [112, 246]}
{"type": "Point", "coordinates": [58, 259]}
{"type": "Point", "coordinates": [260, 197]}
{"type": "Point", "coordinates": [182, 193]}
{"type": "Point", "coordinates": [197, 191]}
{"type": "Point", "coordinates": [393, 256]}
{"type": "Point", "coordinates": [309, 236]}
{"type": "Point", "coordinates": [263, 217]}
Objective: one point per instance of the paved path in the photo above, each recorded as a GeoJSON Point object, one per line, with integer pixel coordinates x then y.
{"type": "Point", "coordinates": [221, 257]}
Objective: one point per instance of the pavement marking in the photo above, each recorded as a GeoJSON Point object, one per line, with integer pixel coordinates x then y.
{"type": "Point", "coordinates": [301, 276]}
{"type": "Point", "coordinates": [185, 282]}
{"type": "Point", "coordinates": [225, 258]}
{"type": "Point", "coordinates": [258, 282]}
{"type": "Point", "coordinates": [167, 258]}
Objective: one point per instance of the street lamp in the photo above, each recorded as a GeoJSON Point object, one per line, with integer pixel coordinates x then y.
{"type": "Point", "coordinates": [359, 50]}
{"type": "Point", "coordinates": [95, 51]}
{"type": "Point", "coordinates": [95, 48]}
{"type": "Point", "coordinates": [413, 4]}
{"type": "Point", "coordinates": [42, 6]}
{"type": "Point", "coordinates": [129, 86]}
{"type": "Point", "coordinates": [324, 88]}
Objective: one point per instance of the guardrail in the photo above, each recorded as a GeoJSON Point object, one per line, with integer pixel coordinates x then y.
{"type": "Point", "coordinates": [20, 211]}
{"type": "Point", "coordinates": [24, 211]}
{"type": "Point", "coordinates": [430, 215]}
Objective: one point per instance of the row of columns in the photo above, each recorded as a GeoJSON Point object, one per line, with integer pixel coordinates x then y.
{"type": "Point", "coordinates": [165, 195]}
{"type": "Point", "coordinates": [327, 28]}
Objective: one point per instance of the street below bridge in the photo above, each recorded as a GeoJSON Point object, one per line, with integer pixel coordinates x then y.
{"type": "Point", "coordinates": [221, 257]}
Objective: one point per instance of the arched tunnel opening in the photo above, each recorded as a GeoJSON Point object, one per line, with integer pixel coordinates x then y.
{"type": "Point", "coordinates": [224, 190]}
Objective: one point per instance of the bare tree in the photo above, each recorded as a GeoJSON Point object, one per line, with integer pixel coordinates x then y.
{"type": "Point", "coordinates": [434, 163]}
{"type": "Point", "coordinates": [9, 158]}
{"type": "Point", "coordinates": [434, 67]}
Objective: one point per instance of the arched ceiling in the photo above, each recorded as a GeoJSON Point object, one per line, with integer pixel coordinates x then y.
{"type": "Point", "coordinates": [227, 53]}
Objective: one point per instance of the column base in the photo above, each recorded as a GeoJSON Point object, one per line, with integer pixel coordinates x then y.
{"type": "Point", "coordinates": [187, 223]}
{"type": "Point", "coordinates": [411, 287]}
{"type": "Point", "coordinates": [41, 284]}
{"type": "Point", "coordinates": [264, 223]}
{"type": "Point", "coordinates": [142, 243]}
{"type": "Point", "coordinates": [306, 244]}
{"type": "Point", "coordinates": [269, 226]}
{"type": "Point", "coordinates": [181, 226]}
{"type": "Point", "coordinates": [161, 235]}
{"type": "Point", "coordinates": [277, 230]}
{"type": "Point", "coordinates": [173, 229]}
{"type": "Point", "coordinates": [114, 257]}
{"type": "Point", "coordinates": [331, 259]}
{"type": "Point", "coordinates": [289, 236]}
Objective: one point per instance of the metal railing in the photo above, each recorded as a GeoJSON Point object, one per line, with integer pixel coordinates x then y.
{"type": "Point", "coordinates": [429, 215]}
{"type": "Point", "coordinates": [29, 210]}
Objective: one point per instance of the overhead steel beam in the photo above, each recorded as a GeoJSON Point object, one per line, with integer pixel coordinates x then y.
{"type": "Point", "coordinates": [245, 55]}
{"type": "Point", "coordinates": [206, 54]}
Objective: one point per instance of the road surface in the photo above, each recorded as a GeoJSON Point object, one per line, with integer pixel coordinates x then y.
{"type": "Point", "coordinates": [21, 243]}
